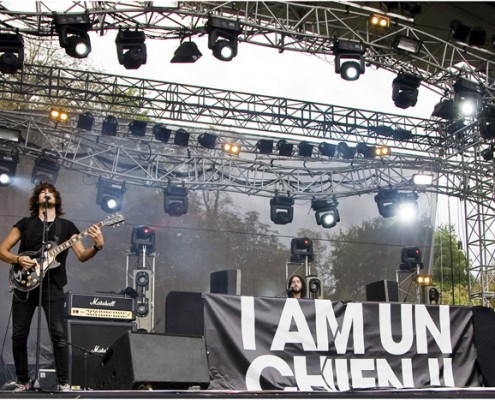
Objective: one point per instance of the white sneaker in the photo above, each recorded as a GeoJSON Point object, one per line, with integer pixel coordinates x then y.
{"type": "Point", "coordinates": [23, 387]}
{"type": "Point", "coordinates": [64, 388]}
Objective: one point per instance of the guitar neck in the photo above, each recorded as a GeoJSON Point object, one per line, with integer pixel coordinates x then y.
{"type": "Point", "coordinates": [68, 243]}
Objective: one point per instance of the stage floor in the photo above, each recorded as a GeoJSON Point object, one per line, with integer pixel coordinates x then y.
{"type": "Point", "coordinates": [439, 393]}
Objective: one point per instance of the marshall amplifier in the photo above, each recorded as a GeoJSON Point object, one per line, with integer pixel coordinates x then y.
{"type": "Point", "coordinates": [88, 343]}
{"type": "Point", "coordinates": [100, 306]}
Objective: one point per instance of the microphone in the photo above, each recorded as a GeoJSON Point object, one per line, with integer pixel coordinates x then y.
{"type": "Point", "coordinates": [48, 196]}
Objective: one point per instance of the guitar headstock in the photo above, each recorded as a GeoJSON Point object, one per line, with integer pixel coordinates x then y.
{"type": "Point", "coordinates": [113, 220]}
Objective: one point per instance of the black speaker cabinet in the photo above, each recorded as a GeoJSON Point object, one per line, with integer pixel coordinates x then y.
{"type": "Point", "coordinates": [184, 313]}
{"type": "Point", "coordinates": [154, 361]}
{"type": "Point", "coordinates": [382, 291]}
{"type": "Point", "coordinates": [88, 342]}
{"type": "Point", "coordinates": [226, 282]}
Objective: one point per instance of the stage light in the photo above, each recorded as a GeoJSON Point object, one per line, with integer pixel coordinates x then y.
{"type": "Point", "coordinates": [9, 135]}
{"type": "Point", "coordinates": [459, 31]}
{"type": "Point", "coordinates": [142, 279]}
{"type": "Point", "coordinates": [423, 280]}
{"type": "Point", "coordinates": [405, 90]}
{"type": "Point", "coordinates": [45, 170]}
{"type": "Point", "coordinates": [352, 53]}
{"type": "Point", "coordinates": [345, 151]}
{"type": "Point", "coordinates": [265, 146]}
{"type": "Point", "coordinates": [175, 201]}
{"type": "Point", "coordinates": [8, 166]}
{"type": "Point", "coordinates": [305, 149]}
{"type": "Point", "coordinates": [131, 49]}
{"type": "Point", "coordinates": [422, 179]}
{"type": "Point", "coordinates": [405, 44]}
{"type": "Point", "coordinates": [110, 194]}
{"type": "Point", "coordinates": [161, 133]}
{"type": "Point", "coordinates": [72, 30]}
{"type": "Point", "coordinates": [382, 151]}
{"type": "Point", "coordinates": [487, 123]}
{"type": "Point", "coordinates": [281, 210]}
{"type": "Point", "coordinates": [207, 140]}
{"type": "Point", "coordinates": [284, 148]}
{"type": "Point", "coordinates": [326, 213]}
{"type": "Point", "coordinates": [327, 149]}
{"type": "Point", "coordinates": [85, 121]}
{"type": "Point", "coordinates": [231, 148]}
{"type": "Point", "coordinates": [387, 202]}
{"type": "Point", "coordinates": [11, 52]}
{"type": "Point", "coordinates": [187, 52]}
{"type": "Point", "coordinates": [367, 152]}
{"type": "Point", "coordinates": [379, 20]}
{"type": "Point", "coordinates": [142, 238]}
{"type": "Point", "coordinates": [109, 126]}
{"type": "Point", "coordinates": [58, 115]}
{"type": "Point", "coordinates": [410, 259]}
{"type": "Point", "coordinates": [222, 37]}
{"type": "Point", "coordinates": [467, 98]}
{"type": "Point", "coordinates": [408, 206]}
{"type": "Point", "coordinates": [137, 128]}
{"type": "Point", "coordinates": [301, 249]}
{"type": "Point", "coordinates": [181, 137]}
{"type": "Point", "coordinates": [444, 109]}
{"type": "Point", "coordinates": [488, 154]}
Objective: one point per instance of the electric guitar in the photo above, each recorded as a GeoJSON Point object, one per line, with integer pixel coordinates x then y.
{"type": "Point", "coordinates": [29, 279]}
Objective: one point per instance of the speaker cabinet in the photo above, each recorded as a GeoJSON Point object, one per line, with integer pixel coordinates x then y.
{"type": "Point", "coordinates": [382, 291]}
{"type": "Point", "coordinates": [88, 342]}
{"type": "Point", "coordinates": [154, 361]}
{"type": "Point", "coordinates": [226, 282]}
{"type": "Point", "coordinates": [184, 313]}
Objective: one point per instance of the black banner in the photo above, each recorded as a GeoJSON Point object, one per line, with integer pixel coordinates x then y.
{"type": "Point", "coordinates": [289, 344]}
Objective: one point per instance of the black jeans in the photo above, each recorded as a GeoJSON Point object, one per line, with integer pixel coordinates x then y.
{"type": "Point", "coordinates": [23, 308]}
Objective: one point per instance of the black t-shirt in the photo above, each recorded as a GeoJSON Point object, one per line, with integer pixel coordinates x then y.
{"type": "Point", "coordinates": [32, 235]}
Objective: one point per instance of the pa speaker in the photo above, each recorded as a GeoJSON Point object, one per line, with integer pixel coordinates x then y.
{"type": "Point", "coordinates": [184, 313]}
{"type": "Point", "coordinates": [226, 282]}
{"type": "Point", "coordinates": [88, 342]}
{"type": "Point", "coordinates": [154, 361]}
{"type": "Point", "coordinates": [382, 291]}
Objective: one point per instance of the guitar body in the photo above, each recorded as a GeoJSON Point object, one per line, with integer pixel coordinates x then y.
{"type": "Point", "coordinates": [29, 279]}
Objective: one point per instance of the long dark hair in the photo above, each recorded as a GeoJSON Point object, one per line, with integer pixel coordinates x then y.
{"type": "Point", "coordinates": [303, 284]}
{"type": "Point", "coordinates": [33, 200]}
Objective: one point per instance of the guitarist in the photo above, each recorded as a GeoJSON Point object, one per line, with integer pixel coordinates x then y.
{"type": "Point", "coordinates": [28, 231]}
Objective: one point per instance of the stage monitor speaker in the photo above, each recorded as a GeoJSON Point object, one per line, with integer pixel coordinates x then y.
{"type": "Point", "coordinates": [226, 282]}
{"type": "Point", "coordinates": [154, 361]}
{"type": "Point", "coordinates": [382, 291]}
{"type": "Point", "coordinates": [184, 313]}
{"type": "Point", "coordinates": [88, 342]}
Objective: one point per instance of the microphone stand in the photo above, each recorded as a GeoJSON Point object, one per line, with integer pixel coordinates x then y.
{"type": "Point", "coordinates": [36, 383]}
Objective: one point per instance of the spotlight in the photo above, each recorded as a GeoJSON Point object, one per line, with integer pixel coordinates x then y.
{"type": "Point", "coordinates": [345, 151]}
{"type": "Point", "coordinates": [379, 20]}
{"type": "Point", "coordinates": [110, 194]}
{"type": "Point", "coordinates": [8, 166]}
{"type": "Point", "coordinates": [142, 237]}
{"type": "Point", "coordinates": [161, 133]}
{"type": "Point", "coordinates": [281, 210]}
{"type": "Point", "coordinates": [85, 121]}
{"type": "Point", "coordinates": [444, 109]}
{"type": "Point", "coordinates": [175, 201]}
{"type": "Point", "coordinates": [109, 126]}
{"type": "Point", "coordinates": [265, 146]}
{"type": "Point", "coordinates": [405, 90]}
{"type": "Point", "coordinates": [11, 52]}
{"type": "Point", "coordinates": [382, 151]}
{"type": "Point", "coordinates": [305, 149]}
{"type": "Point", "coordinates": [467, 97]}
{"type": "Point", "coordinates": [405, 44]}
{"type": "Point", "coordinates": [488, 154]}
{"type": "Point", "coordinates": [408, 206]}
{"type": "Point", "coordinates": [231, 148]}
{"type": "Point", "coordinates": [187, 52]}
{"type": "Point", "coordinates": [366, 151]}
{"type": "Point", "coordinates": [423, 280]}
{"type": "Point", "coordinates": [284, 148]}
{"type": "Point", "coordinates": [326, 213]}
{"type": "Point", "coordinates": [222, 37]}
{"type": "Point", "coordinates": [352, 52]}
{"type": "Point", "coordinates": [487, 123]}
{"type": "Point", "coordinates": [137, 128]}
{"type": "Point", "coordinates": [411, 259]}
{"type": "Point", "coordinates": [142, 279]}
{"type": "Point", "coordinates": [459, 31]}
{"type": "Point", "coordinates": [327, 149]}
{"type": "Point", "coordinates": [387, 202]}
{"type": "Point", "coordinates": [422, 179]}
{"type": "Point", "coordinates": [131, 49]}
{"type": "Point", "coordinates": [9, 135]}
{"type": "Point", "coordinates": [181, 137]}
{"type": "Point", "coordinates": [207, 140]}
{"type": "Point", "coordinates": [57, 115]}
{"type": "Point", "coordinates": [45, 170]}
{"type": "Point", "coordinates": [72, 30]}
{"type": "Point", "coordinates": [301, 249]}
